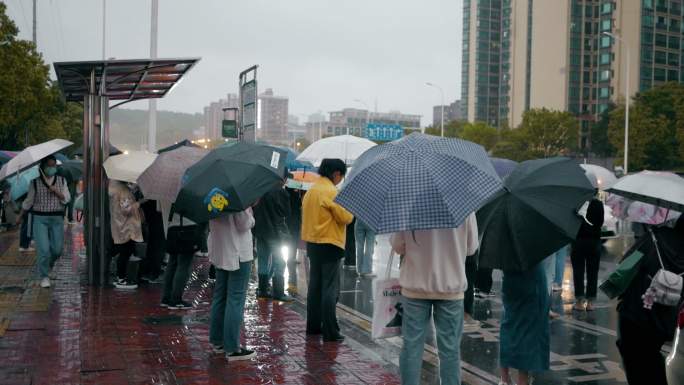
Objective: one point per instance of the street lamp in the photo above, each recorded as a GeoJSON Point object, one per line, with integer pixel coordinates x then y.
{"type": "Point", "coordinates": [627, 96]}
{"type": "Point", "coordinates": [367, 111]}
{"type": "Point", "coordinates": [441, 91]}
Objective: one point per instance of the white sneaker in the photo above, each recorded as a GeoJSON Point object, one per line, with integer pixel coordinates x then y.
{"type": "Point", "coordinates": [45, 283]}
{"type": "Point", "coordinates": [125, 285]}
{"type": "Point", "coordinates": [23, 250]}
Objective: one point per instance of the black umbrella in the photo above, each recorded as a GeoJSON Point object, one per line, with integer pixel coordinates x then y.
{"type": "Point", "coordinates": [535, 214]}
{"type": "Point", "coordinates": [229, 179]}
{"type": "Point", "coordinates": [112, 151]}
{"type": "Point", "coordinates": [72, 170]}
{"type": "Point", "coordinates": [182, 143]}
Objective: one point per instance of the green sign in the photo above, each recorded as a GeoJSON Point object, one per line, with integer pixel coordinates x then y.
{"type": "Point", "coordinates": [229, 129]}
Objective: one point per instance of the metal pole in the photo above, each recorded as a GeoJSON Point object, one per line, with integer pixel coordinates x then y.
{"type": "Point", "coordinates": [152, 126]}
{"type": "Point", "coordinates": [627, 97]}
{"type": "Point", "coordinates": [35, 39]}
{"type": "Point", "coordinates": [441, 92]}
{"type": "Point", "coordinates": [104, 25]}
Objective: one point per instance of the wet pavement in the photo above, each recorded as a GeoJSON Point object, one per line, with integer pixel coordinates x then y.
{"type": "Point", "coordinates": [106, 336]}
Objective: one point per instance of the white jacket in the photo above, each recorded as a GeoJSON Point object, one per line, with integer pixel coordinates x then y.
{"type": "Point", "coordinates": [230, 240]}
{"type": "Point", "coordinates": [434, 260]}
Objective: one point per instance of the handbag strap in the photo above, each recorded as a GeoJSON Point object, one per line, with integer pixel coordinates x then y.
{"type": "Point", "coordinates": [655, 243]}
{"type": "Point", "coordinates": [390, 261]}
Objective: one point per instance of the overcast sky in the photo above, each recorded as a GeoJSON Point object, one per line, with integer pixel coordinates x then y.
{"type": "Point", "coordinates": [322, 54]}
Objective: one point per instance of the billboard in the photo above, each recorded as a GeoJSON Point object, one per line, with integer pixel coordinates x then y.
{"type": "Point", "coordinates": [381, 132]}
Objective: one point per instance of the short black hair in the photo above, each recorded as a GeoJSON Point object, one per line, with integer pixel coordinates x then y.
{"type": "Point", "coordinates": [329, 166]}
{"type": "Point", "coordinates": [48, 158]}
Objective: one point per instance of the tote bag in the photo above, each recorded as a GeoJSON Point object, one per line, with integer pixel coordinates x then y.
{"type": "Point", "coordinates": [387, 310]}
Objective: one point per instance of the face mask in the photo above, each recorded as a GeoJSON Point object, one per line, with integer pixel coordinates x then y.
{"type": "Point", "coordinates": [51, 171]}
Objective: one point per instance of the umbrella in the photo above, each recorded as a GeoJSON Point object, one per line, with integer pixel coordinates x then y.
{"type": "Point", "coordinates": [229, 179]}
{"type": "Point", "coordinates": [345, 147]}
{"type": "Point", "coordinates": [32, 155]}
{"type": "Point", "coordinates": [302, 180]}
{"type": "Point", "coordinates": [162, 180]}
{"type": "Point", "coordinates": [61, 157]}
{"type": "Point", "coordinates": [5, 156]}
{"type": "Point", "coordinates": [535, 214]}
{"type": "Point", "coordinates": [419, 182]}
{"type": "Point", "coordinates": [72, 170]}
{"type": "Point", "coordinates": [503, 167]}
{"type": "Point", "coordinates": [19, 183]}
{"type": "Point", "coordinates": [604, 178]}
{"type": "Point", "coordinates": [112, 151]}
{"type": "Point", "coordinates": [661, 189]}
{"type": "Point", "coordinates": [182, 143]}
{"type": "Point", "coordinates": [128, 167]}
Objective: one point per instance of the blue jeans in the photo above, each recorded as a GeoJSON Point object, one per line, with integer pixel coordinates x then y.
{"type": "Point", "coordinates": [554, 265]}
{"type": "Point", "coordinates": [270, 261]}
{"type": "Point", "coordinates": [228, 307]}
{"type": "Point", "coordinates": [365, 246]}
{"type": "Point", "coordinates": [448, 315]}
{"type": "Point", "coordinates": [48, 232]}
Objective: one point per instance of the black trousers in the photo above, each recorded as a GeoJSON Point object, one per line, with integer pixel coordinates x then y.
{"type": "Point", "coordinates": [156, 245]}
{"type": "Point", "coordinates": [471, 272]}
{"type": "Point", "coordinates": [640, 350]}
{"type": "Point", "coordinates": [176, 277]}
{"type": "Point", "coordinates": [125, 250]}
{"type": "Point", "coordinates": [350, 246]}
{"type": "Point", "coordinates": [483, 280]}
{"type": "Point", "coordinates": [324, 287]}
{"type": "Point", "coordinates": [586, 256]}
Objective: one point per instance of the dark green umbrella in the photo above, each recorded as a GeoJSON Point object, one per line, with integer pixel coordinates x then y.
{"type": "Point", "coordinates": [72, 170]}
{"type": "Point", "coordinates": [229, 179]}
{"type": "Point", "coordinates": [535, 214]}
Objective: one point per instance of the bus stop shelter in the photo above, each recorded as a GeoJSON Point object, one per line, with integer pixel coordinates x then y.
{"type": "Point", "coordinates": [97, 84]}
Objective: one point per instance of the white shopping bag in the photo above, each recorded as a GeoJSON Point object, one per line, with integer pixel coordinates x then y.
{"type": "Point", "coordinates": [387, 309]}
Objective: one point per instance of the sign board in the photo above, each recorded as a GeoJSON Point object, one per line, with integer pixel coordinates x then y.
{"type": "Point", "coordinates": [248, 105]}
{"type": "Point", "coordinates": [229, 129]}
{"type": "Point", "coordinates": [384, 132]}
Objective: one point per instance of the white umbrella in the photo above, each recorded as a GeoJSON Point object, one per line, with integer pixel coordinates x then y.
{"type": "Point", "coordinates": [661, 189]}
{"type": "Point", "coordinates": [128, 167]}
{"type": "Point", "coordinates": [603, 177]}
{"type": "Point", "coordinates": [345, 147]}
{"type": "Point", "coordinates": [31, 155]}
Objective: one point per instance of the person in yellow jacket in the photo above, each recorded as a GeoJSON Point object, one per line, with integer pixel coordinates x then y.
{"type": "Point", "coordinates": [324, 226]}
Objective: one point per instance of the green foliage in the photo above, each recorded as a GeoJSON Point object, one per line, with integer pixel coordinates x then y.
{"type": "Point", "coordinates": [480, 133]}
{"type": "Point", "coordinates": [549, 133]}
{"type": "Point", "coordinates": [656, 131]}
{"type": "Point", "coordinates": [600, 143]}
{"type": "Point", "coordinates": [451, 129]}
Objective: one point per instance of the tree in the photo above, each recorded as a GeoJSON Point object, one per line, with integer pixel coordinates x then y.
{"type": "Point", "coordinates": [600, 143]}
{"type": "Point", "coordinates": [549, 132]}
{"type": "Point", "coordinates": [452, 129]}
{"type": "Point", "coordinates": [656, 135]}
{"type": "Point", "coordinates": [480, 133]}
{"type": "Point", "coordinates": [512, 145]}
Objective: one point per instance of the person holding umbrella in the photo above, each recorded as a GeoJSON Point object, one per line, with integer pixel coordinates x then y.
{"type": "Point", "coordinates": [324, 226]}
{"type": "Point", "coordinates": [586, 256]}
{"type": "Point", "coordinates": [46, 199]}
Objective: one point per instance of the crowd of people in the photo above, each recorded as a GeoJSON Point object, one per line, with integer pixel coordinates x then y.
{"type": "Point", "coordinates": [439, 272]}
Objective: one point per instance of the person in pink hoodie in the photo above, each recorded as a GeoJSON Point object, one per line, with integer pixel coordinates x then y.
{"type": "Point", "coordinates": [433, 279]}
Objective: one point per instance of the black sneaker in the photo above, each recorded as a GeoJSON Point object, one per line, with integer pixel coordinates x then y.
{"type": "Point", "coordinates": [182, 305]}
{"type": "Point", "coordinates": [164, 304]}
{"type": "Point", "coordinates": [125, 285]}
{"type": "Point", "coordinates": [242, 355]}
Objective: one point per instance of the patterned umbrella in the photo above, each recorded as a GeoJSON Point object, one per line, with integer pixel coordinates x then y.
{"type": "Point", "coordinates": [503, 167]}
{"type": "Point", "coordinates": [419, 182]}
{"type": "Point", "coordinates": [5, 156]}
{"type": "Point", "coordinates": [128, 167]}
{"type": "Point", "coordinates": [162, 180]}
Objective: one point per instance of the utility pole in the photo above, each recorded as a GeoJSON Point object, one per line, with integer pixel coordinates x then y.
{"type": "Point", "coordinates": [35, 39]}
{"type": "Point", "coordinates": [104, 25]}
{"type": "Point", "coordinates": [152, 127]}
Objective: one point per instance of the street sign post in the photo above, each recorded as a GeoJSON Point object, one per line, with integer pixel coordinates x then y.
{"type": "Point", "coordinates": [248, 105]}
{"type": "Point", "coordinates": [229, 125]}
{"type": "Point", "coordinates": [384, 132]}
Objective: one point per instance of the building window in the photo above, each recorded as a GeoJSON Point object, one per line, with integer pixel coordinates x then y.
{"type": "Point", "coordinates": [606, 8]}
{"type": "Point", "coordinates": [604, 92]}
{"type": "Point", "coordinates": [661, 40]}
{"type": "Point", "coordinates": [660, 57]}
{"type": "Point", "coordinates": [605, 75]}
{"type": "Point", "coordinates": [602, 108]}
{"type": "Point", "coordinates": [647, 21]}
{"type": "Point", "coordinates": [648, 4]}
{"type": "Point", "coordinates": [659, 74]}
{"type": "Point", "coordinates": [673, 75]}
{"type": "Point", "coordinates": [673, 59]}
{"type": "Point", "coordinates": [605, 41]}
{"type": "Point", "coordinates": [605, 25]}
{"type": "Point", "coordinates": [673, 42]}
{"type": "Point", "coordinates": [605, 58]}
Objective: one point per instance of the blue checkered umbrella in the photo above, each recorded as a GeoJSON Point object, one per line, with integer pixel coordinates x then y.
{"type": "Point", "coordinates": [419, 182]}
{"type": "Point", "coordinates": [503, 167]}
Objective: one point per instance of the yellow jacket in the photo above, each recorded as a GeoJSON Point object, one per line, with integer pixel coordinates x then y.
{"type": "Point", "coordinates": [323, 220]}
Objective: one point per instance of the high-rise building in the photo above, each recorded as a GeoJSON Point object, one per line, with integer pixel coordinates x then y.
{"type": "Point", "coordinates": [213, 115]}
{"type": "Point", "coordinates": [451, 112]}
{"type": "Point", "coordinates": [566, 55]}
{"type": "Point", "coordinates": [272, 118]}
